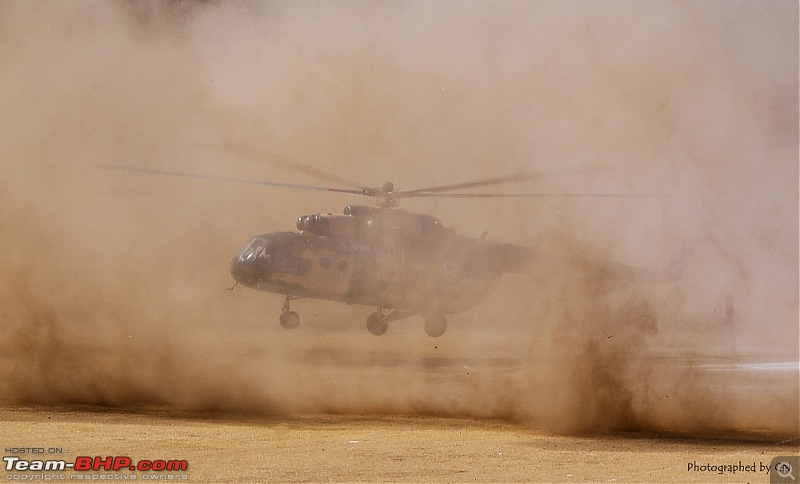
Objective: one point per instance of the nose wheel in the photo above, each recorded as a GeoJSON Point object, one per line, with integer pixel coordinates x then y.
{"type": "Point", "coordinates": [289, 319]}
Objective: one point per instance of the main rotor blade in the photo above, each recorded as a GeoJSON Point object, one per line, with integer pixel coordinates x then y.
{"type": "Point", "coordinates": [244, 181]}
{"type": "Point", "coordinates": [514, 178]}
{"type": "Point", "coordinates": [528, 195]}
{"type": "Point", "coordinates": [247, 151]}
{"type": "Point", "coordinates": [472, 184]}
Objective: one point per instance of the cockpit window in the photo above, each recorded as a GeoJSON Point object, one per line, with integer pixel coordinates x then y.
{"type": "Point", "coordinates": [270, 256]}
{"type": "Point", "coordinates": [252, 249]}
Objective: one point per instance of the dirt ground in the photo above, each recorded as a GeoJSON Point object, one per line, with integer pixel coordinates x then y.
{"type": "Point", "coordinates": [344, 406]}
{"type": "Point", "coordinates": [350, 448]}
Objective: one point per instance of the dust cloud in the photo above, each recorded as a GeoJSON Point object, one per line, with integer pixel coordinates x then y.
{"type": "Point", "coordinates": [113, 283]}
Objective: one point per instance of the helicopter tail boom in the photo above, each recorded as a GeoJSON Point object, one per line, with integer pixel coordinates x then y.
{"type": "Point", "coordinates": [510, 257]}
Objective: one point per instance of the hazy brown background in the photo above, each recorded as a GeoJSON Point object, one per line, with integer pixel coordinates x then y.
{"type": "Point", "coordinates": [113, 284]}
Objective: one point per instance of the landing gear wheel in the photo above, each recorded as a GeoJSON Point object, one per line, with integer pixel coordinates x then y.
{"type": "Point", "coordinates": [376, 324]}
{"type": "Point", "coordinates": [290, 319]}
{"type": "Point", "coordinates": [435, 326]}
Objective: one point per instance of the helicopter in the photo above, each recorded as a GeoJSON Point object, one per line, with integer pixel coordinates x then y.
{"type": "Point", "coordinates": [400, 263]}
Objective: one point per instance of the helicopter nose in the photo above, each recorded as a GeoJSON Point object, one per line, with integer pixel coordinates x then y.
{"type": "Point", "coordinates": [242, 270]}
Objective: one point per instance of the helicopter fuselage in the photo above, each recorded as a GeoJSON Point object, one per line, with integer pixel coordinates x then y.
{"type": "Point", "coordinates": [384, 258]}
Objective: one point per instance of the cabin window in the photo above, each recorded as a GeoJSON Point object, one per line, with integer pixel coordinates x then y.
{"type": "Point", "coordinates": [325, 262]}
{"type": "Point", "coordinates": [342, 265]}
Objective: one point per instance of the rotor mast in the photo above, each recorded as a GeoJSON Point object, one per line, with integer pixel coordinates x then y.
{"type": "Point", "coordinates": [385, 196]}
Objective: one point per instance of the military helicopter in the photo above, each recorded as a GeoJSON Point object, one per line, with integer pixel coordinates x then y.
{"type": "Point", "coordinates": [400, 263]}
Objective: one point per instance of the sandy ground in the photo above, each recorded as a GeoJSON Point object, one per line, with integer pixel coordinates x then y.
{"type": "Point", "coordinates": [364, 432]}
{"type": "Point", "coordinates": [349, 448]}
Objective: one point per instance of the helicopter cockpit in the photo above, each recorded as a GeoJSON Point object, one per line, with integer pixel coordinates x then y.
{"type": "Point", "coordinates": [267, 254]}
{"type": "Point", "coordinates": [244, 268]}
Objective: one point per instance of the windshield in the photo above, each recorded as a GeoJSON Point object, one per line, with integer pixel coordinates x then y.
{"type": "Point", "coordinates": [252, 249]}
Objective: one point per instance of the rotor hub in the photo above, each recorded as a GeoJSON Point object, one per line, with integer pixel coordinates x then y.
{"type": "Point", "coordinates": [385, 196]}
